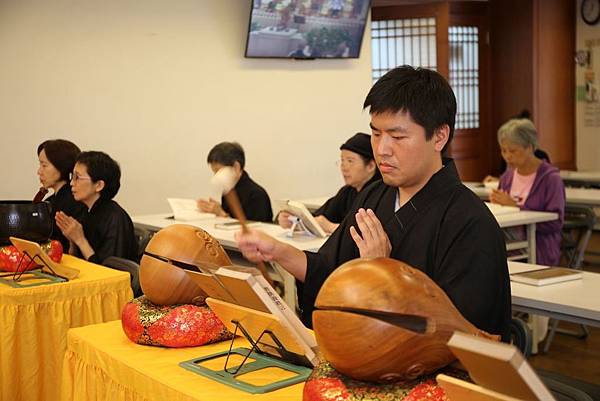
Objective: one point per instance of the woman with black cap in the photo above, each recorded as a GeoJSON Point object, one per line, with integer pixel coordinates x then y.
{"type": "Point", "coordinates": [358, 169]}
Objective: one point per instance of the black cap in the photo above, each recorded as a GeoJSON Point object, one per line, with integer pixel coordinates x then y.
{"type": "Point", "coordinates": [359, 143]}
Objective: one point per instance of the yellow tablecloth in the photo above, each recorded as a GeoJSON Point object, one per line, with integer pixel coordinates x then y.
{"type": "Point", "coordinates": [34, 323]}
{"type": "Point", "coordinates": [102, 364]}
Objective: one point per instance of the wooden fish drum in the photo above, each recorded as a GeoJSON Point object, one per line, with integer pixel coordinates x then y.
{"type": "Point", "coordinates": [381, 320]}
{"type": "Point", "coordinates": [169, 253]}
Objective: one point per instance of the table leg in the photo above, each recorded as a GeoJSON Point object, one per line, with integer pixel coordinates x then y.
{"type": "Point", "coordinates": [531, 241]}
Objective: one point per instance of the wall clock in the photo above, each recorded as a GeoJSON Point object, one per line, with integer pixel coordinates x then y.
{"type": "Point", "coordinates": [590, 11]}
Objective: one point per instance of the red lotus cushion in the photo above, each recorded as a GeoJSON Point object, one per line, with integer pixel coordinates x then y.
{"type": "Point", "coordinates": [10, 257]}
{"type": "Point", "coordinates": [171, 326]}
{"type": "Point", "coordinates": [327, 384]}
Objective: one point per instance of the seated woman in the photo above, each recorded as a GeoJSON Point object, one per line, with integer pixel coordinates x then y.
{"type": "Point", "coordinates": [254, 199]}
{"type": "Point", "coordinates": [358, 169]}
{"type": "Point", "coordinates": [531, 184]}
{"type": "Point", "coordinates": [107, 229]}
{"type": "Point", "coordinates": [57, 159]}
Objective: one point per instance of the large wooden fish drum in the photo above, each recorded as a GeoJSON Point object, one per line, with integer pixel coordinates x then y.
{"type": "Point", "coordinates": [382, 320]}
{"type": "Point", "coordinates": [168, 254]}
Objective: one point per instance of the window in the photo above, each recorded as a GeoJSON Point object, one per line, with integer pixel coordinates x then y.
{"type": "Point", "coordinates": [413, 41]}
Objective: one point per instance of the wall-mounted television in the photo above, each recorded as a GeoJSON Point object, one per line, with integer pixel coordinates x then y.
{"type": "Point", "coordinates": [306, 28]}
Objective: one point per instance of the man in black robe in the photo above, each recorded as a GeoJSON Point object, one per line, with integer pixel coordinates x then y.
{"type": "Point", "coordinates": [420, 214]}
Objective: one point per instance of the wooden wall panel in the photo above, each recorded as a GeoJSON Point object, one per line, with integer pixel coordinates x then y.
{"type": "Point", "coordinates": [554, 79]}
{"type": "Point", "coordinates": [512, 63]}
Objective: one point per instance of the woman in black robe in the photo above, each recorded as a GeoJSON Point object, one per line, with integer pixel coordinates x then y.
{"type": "Point", "coordinates": [254, 199]}
{"type": "Point", "coordinates": [358, 168]}
{"type": "Point", "coordinates": [107, 229]}
{"type": "Point", "coordinates": [57, 159]}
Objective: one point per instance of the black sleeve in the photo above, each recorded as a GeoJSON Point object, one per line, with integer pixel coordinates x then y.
{"type": "Point", "coordinates": [471, 268]}
{"type": "Point", "coordinates": [118, 239]}
{"type": "Point", "coordinates": [258, 207]}
{"type": "Point", "coordinates": [339, 248]}
{"type": "Point", "coordinates": [336, 207]}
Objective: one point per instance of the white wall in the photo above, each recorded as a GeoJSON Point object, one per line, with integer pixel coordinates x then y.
{"type": "Point", "coordinates": [588, 136]}
{"type": "Point", "coordinates": [156, 83]}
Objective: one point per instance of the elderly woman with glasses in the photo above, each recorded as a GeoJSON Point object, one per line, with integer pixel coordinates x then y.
{"type": "Point", "coordinates": [531, 184]}
{"type": "Point", "coordinates": [56, 161]}
{"type": "Point", "coordinates": [358, 168]}
{"type": "Point", "coordinates": [107, 229]}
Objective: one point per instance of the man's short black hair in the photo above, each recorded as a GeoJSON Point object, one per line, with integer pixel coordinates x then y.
{"type": "Point", "coordinates": [101, 166]}
{"type": "Point", "coordinates": [62, 154]}
{"type": "Point", "coordinates": [423, 93]}
{"type": "Point", "coordinates": [226, 154]}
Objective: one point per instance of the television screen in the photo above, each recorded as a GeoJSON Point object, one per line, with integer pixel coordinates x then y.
{"type": "Point", "coordinates": [306, 28]}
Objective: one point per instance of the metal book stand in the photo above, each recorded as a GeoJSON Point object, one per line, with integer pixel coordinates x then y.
{"type": "Point", "coordinates": [22, 278]}
{"type": "Point", "coordinates": [268, 350]}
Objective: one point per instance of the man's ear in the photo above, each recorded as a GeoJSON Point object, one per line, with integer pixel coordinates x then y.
{"type": "Point", "coordinates": [441, 135]}
{"type": "Point", "coordinates": [237, 167]}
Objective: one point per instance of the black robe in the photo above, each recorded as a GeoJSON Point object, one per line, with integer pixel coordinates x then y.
{"type": "Point", "coordinates": [338, 206]}
{"type": "Point", "coordinates": [446, 232]}
{"type": "Point", "coordinates": [63, 201]}
{"type": "Point", "coordinates": [254, 199]}
{"type": "Point", "coordinates": [109, 230]}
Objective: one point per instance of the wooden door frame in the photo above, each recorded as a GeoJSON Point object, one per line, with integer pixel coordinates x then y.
{"type": "Point", "coordinates": [441, 12]}
{"type": "Point", "coordinates": [465, 14]}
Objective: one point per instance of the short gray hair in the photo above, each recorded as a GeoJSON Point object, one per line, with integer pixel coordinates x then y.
{"type": "Point", "coordinates": [520, 131]}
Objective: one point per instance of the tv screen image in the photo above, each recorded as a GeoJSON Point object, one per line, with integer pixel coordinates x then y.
{"type": "Point", "coordinates": [306, 28]}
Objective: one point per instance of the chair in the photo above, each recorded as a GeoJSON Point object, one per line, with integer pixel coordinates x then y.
{"type": "Point", "coordinates": [143, 236]}
{"type": "Point", "coordinates": [520, 336]}
{"type": "Point", "coordinates": [128, 266]}
{"type": "Point", "coordinates": [577, 230]}
{"type": "Point", "coordinates": [561, 387]}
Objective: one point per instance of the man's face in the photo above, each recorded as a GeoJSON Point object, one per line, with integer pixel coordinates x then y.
{"type": "Point", "coordinates": [403, 155]}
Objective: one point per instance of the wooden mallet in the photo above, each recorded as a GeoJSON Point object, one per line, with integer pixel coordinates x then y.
{"type": "Point", "coordinates": [224, 180]}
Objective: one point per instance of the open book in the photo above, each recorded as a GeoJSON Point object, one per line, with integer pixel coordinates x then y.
{"type": "Point", "coordinates": [497, 209]}
{"type": "Point", "coordinates": [546, 276]}
{"type": "Point", "coordinates": [246, 287]}
{"type": "Point", "coordinates": [305, 217]}
{"type": "Point", "coordinates": [187, 209]}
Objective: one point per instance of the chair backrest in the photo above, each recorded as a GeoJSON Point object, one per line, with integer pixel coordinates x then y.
{"type": "Point", "coordinates": [128, 266]}
{"type": "Point", "coordinates": [577, 229]}
{"type": "Point", "coordinates": [520, 336]}
{"type": "Point", "coordinates": [143, 236]}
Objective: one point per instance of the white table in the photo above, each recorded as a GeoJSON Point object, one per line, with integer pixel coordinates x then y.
{"type": "Point", "coordinates": [520, 218]}
{"type": "Point", "coordinates": [575, 301]}
{"type": "Point", "coordinates": [155, 222]}
{"type": "Point", "coordinates": [592, 177]}
{"type": "Point", "coordinates": [586, 196]}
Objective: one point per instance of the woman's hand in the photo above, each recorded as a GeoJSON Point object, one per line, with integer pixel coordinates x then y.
{"type": "Point", "coordinates": [211, 206]}
{"type": "Point", "coordinates": [502, 198]}
{"type": "Point", "coordinates": [73, 230]}
{"type": "Point", "coordinates": [70, 228]}
{"type": "Point", "coordinates": [374, 241]}
{"type": "Point", "coordinates": [283, 218]}
{"type": "Point", "coordinates": [325, 224]}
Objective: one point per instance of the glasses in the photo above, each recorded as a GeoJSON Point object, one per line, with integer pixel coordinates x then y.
{"type": "Point", "coordinates": [345, 162]}
{"type": "Point", "coordinates": [74, 177]}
